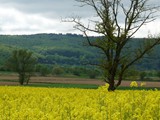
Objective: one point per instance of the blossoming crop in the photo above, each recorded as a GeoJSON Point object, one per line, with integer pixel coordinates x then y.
{"type": "Point", "coordinates": [143, 84]}
{"type": "Point", "coordinates": [134, 84]}
{"type": "Point", "coordinates": [29, 103]}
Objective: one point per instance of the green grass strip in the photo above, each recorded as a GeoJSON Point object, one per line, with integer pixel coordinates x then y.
{"type": "Point", "coordinates": [61, 85]}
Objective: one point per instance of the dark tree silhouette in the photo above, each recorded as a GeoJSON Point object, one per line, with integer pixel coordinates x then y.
{"type": "Point", "coordinates": [117, 23]}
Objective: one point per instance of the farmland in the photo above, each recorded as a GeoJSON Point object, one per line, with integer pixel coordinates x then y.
{"type": "Point", "coordinates": [109, 72]}
{"type": "Point", "coordinates": [62, 96]}
{"type": "Point", "coordinates": [13, 80]}
{"type": "Point", "coordinates": [30, 103]}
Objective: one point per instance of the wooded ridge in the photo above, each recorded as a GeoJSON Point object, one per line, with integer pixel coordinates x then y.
{"type": "Point", "coordinates": [65, 49]}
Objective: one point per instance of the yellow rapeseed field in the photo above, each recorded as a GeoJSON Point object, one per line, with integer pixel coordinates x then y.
{"type": "Point", "coordinates": [29, 103]}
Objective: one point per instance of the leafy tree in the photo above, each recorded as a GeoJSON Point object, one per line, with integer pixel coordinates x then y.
{"type": "Point", "coordinates": [117, 21]}
{"type": "Point", "coordinates": [142, 75]}
{"type": "Point", "coordinates": [58, 70]}
{"type": "Point", "coordinates": [77, 71]}
{"type": "Point", "coordinates": [92, 73]}
{"type": "Point", "coordinates": [44, 70]}
{"type": "Point", "coordinates": [22, 62]}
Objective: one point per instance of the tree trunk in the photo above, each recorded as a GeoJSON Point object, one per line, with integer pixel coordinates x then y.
{"type": "Point", "coordinates": [111, 85]}
{"type": "Point", "coordinates": [21, 79]}
{"type": "Point", "coordinates": [119, 80]}
{"type": "Point", "coordinates": [27, 79]}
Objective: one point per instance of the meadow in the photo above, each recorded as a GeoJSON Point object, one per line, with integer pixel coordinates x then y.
{"type": "Point", "coordinates": [37, 103]}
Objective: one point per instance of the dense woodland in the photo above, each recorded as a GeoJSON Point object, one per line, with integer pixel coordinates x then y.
{"type": "Point", "coordinates": [49, 48]}
{"type": "Point", "coordinates": [68, 51]}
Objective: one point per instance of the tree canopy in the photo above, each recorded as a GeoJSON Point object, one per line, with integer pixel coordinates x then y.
{"type": "Point", "coordinates": [22, 62]}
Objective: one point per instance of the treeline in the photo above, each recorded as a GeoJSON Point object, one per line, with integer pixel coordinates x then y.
{"type": "Point", "coordinates": [93, 73]}
{"type": "Point", "coordinates": [56, 70]}
{"type": "Point", "coordinates": [68, 49]}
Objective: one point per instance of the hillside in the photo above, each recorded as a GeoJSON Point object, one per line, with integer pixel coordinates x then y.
{"type": "Point", "coordinates": [49, 48]}
{"type": "Point", "coordinates": [62, 49]}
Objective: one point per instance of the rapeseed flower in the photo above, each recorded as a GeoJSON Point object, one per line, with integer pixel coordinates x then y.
{"type": "Point", "coordinates": [133, 84]}
{"type": "Point", "coordinates": [21, 103]}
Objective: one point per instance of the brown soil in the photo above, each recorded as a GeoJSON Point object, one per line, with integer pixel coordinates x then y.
{"type": "Point", "coordinates": [67, 80]}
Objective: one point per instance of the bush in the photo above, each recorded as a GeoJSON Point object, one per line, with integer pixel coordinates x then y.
{"type": "Point", "coordinates": [93, 74]}
{"type": "Point", "coordinates": [142, 75]}
{"type": "Point", "coordinates": [57, 70]}
{"type": "Point", "coordinates": [44, 70]}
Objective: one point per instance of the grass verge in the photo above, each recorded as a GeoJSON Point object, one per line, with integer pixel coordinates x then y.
{"type": "Point", "coordinates": [138, 88]}
{"type": "Point", "coordinates": [61, 85]}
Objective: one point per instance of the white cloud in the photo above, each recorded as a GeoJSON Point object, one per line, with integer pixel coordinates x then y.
{"type": "Point", "coordinates": [16, 22]}
{"type": "Point", "coordinates": [44, 16]}
{"type": "Point", "coordinates": [30, 17]}
{"type": "Point", "coordinates": [152, 28]}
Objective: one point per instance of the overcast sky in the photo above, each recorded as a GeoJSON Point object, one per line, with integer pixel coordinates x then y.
{"type": "Point", "coordinates": [44, 16]}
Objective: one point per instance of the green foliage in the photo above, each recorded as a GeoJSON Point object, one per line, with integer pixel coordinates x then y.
{"type": "Point", "coordinates": [51, 48]}
{"type": "Point", "coordinates": [5, 52]}
{"type": "Point", "coordinates": [158, 74]}
{"type": "Point", "coordinates": [77, 71]}
{"type": "Point", "coordinates": [22, 62]}
{"type": "Point", "coordinates": [93, 73]}
{"type": "Point", "coordinates": [61, 85]}
{"type": "Point", "coordinates": [65, 50]}
{"type": "Point", "coordinates": [43, 70]}
{"type": "Point", "coordinates": [131, 74]}
{"type": "Point", "coordinates": [57, 70]}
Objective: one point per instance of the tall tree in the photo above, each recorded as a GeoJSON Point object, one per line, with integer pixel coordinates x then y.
{"type": "Point", "coordinates": [22, 62]}
{"type": "Point", "coordinates": [117, 21]}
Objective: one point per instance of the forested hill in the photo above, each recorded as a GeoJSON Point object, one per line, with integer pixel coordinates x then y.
{"type": "Point", "coordinates": [60, 49]}
{"type": "Point", "coordinates": [49, 48]}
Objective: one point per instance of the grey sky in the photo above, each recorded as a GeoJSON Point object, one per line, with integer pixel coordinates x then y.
{"type": "Point", "coordinates": [44, 16]}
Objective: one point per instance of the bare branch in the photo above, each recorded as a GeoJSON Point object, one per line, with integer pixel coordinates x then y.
{"type": "Point", "coordinates": [140, 53]}
{"type": "Point", "coordinates": [115, 9]}
{"type": "Point", "coordinates": [115, 37]}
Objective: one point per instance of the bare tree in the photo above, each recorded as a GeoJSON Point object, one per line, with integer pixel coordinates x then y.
{"type": "Point", "coordinates": [116, 24]}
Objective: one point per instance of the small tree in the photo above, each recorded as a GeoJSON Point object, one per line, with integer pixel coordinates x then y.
{"type": "Point", "coordinates": [93, 73]}
{"type": "Point", "coordinates": [117, 21]}
{"type": "Point", "coordinates": [57, 70]}
{"type": "Point", "coordinates": [43, 70]}
{"type": "Point", "coordinates": [142, 75]}
{"type": "Point", "coordinates": [22, 62]}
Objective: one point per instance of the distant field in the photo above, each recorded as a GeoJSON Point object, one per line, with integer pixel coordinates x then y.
{"type": "Point", "coordinates": [66, 82]}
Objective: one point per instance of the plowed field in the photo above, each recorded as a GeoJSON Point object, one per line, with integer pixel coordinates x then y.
{"type": "Point", "coordinates": [10, 80]}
